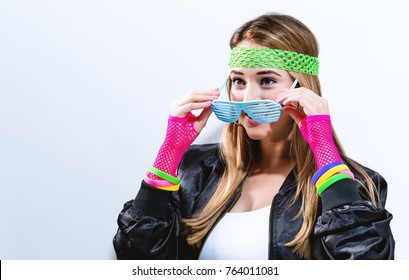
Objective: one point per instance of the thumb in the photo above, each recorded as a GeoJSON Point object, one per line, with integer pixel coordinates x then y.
{"type": "Point", "coordinates": [202, 119]}
{"type": "Point", "coordinates": [293, 112]}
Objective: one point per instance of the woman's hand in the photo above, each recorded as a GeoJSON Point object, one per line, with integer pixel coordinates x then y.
{"type": "Point", "coordinates": [195, 101]}
{"type": "Point", "coordinates": [315, 127]}
{"type": "Point", "coordinates": [183, 128]}
{"type": "Point", "coordinates": [312, 103]}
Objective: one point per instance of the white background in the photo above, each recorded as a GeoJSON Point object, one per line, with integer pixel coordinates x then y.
{"type": "Point", "coordinates": [85, 88]}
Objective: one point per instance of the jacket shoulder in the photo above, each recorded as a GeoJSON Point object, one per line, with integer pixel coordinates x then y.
{"type": "Point", "coordinates": [203, 155]}
{"type": "Point", "coordinates": [199, 173]}
{"type": "Point", "coordinates": [379, 181]}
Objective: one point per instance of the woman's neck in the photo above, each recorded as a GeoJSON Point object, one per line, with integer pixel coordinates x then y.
{"type": "Point", "coordinates": [273, 155]}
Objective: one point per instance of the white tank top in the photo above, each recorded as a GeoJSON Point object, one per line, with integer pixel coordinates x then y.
{"type": "Point", "coordinates": [239, 236]}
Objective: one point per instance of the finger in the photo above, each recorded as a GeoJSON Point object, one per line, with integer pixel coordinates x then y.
{"type": "Point", "coordinates": [311, 104]}
{"type": "Point", "coordinates": [196, 97]}
{"type": "Point", "coordinates": [288, 98]}
{"type": "Point", "coordinates": [294, 98]}
{"type": "Point", "coordinates": [181, 111]}
{"type": "Point", "coordinates": [193, 101]}
{"type": "Point", "coordinates": [285, 91]}
{"type": "Point", "coordinates": [293, 112]}
{"type": "Point", "coordinates": [201, 94]}
{"type": "Point", "coordinates": [202, 119]}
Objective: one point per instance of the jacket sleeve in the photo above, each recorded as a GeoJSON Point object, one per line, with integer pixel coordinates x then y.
{"type": "Point", "coordinates": [151, 227]}
{"type": "Point", "coordinates": [148, 226]}
{"type": "Point", "coordinates": [351, 227]}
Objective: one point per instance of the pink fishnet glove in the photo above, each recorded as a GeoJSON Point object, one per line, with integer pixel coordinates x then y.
{"type": "Point", "coordinates": [180, 135]}
{"type": "Point", "coordinates": [317, 131]}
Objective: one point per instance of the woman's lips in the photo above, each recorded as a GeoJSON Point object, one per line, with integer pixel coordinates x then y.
{"type": "Point", "coordinates": [250, 120]}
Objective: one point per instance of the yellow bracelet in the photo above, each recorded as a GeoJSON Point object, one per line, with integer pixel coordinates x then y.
{"type": "Point", "coordinates": [331, 181]}
{"type": "Point", "coordinates": [169, 188]}
{"type": "Point", "coordinates": [334, 170]}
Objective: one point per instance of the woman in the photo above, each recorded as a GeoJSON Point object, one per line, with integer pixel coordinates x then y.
{"type": "Point", "coordinates": [274, 189]}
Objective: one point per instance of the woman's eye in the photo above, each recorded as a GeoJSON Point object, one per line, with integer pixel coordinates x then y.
{"type": "Point", "coordinates": [238, 82]}
{"type": "Point", "coordinates": [267, 82]}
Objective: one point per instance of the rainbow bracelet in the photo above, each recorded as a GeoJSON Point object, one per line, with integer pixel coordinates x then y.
{"type": "Point", "coordinates": [349, 172]}
{"type": "Point", "coordinates": [324, 169]}
{"type": "Point", "coordinates": [157, 183]}
{"type": "Point", "coordinates": [170, 188]}
{"type": "Point", "coordinates": [330, 181]}
{"type": "Point", "coordinates": [328, 174]}
{"type": "Point", "coordinates": [164, 175]}
{"type": "Point", "coordinates": [161, 184]}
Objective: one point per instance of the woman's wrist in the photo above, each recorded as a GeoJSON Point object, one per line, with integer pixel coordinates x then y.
{"type": "Point", "coordinates": [180, 135]}
{"type": "Point", "coordinates": [317, 131]}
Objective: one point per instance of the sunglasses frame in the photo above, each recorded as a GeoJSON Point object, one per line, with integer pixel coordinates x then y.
{"type": "Point", "coordinates": [263, 111]}
{"type": "Point", "coordinates": [230, 111]}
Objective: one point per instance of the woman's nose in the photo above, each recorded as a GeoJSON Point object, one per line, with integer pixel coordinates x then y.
{"type": "Point", "coordinates": [251, 93]}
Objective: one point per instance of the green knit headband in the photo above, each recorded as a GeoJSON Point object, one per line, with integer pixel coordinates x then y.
{"type": "Point", "coordinates": [242, 57]}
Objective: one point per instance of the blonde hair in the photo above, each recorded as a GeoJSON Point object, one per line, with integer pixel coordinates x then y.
{"type": "Point", "coordinates": [239, 151]}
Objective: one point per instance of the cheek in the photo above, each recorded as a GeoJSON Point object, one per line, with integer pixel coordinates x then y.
{"type": "Point", "coordinates": [285, 121]}
{"type": "Point", "coordinates": [283, 125]}
{"type": "Point", "coordinates": [273, 94]}
{"type": "Point", "coordinates": [236, 96]}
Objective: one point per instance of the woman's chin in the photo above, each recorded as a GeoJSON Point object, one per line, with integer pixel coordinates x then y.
{"type": "Point", "coordinates": [256, 133]}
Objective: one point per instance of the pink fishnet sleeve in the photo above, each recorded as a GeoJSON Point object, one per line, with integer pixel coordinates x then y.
{"type": "Point", "coordinates": [180, 135]}
{"type": "Point", "coordinates": [317, 131]}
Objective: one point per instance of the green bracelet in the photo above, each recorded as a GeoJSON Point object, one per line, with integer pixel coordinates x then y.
{"type": "Point", "coordinates": [331, 181]}
{"type": "Point", "coordinates": [164, 175]}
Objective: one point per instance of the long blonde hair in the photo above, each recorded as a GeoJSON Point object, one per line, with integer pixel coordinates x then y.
{"type": "Point", "coordinates": [239, 151]}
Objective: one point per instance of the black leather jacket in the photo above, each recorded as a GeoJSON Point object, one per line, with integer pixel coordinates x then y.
{"type": "Point", "coordinates": [348, 227]}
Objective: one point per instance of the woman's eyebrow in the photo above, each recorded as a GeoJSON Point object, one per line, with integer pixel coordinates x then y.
{"type": "Point", "coordinates": [268, 72]}
{"type": "Point", "coordinates": [258, 73]}
{"type": "Point", "coordinates": [236, 72]}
